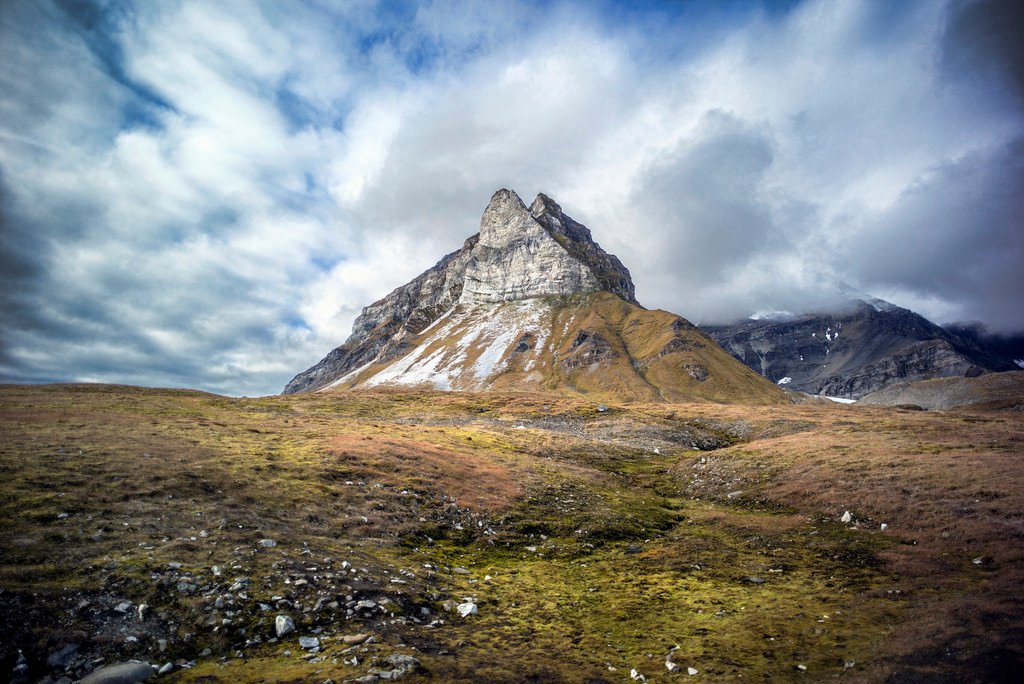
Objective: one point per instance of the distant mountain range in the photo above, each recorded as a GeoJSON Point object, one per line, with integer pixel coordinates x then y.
{"type": "Point", "coordinates": [532, 303]}
{"type": "Point", "coordinates": [863, 346]}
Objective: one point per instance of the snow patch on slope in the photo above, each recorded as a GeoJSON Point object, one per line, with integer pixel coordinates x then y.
{"type": "Point", "coordinates": [346, 377]}
{"type": "Point", "coordinates": [772, 316]}
{"type": "Point", "coordinates": [418, 367]}
{"type": "Point", "coordinates": [486, 331]}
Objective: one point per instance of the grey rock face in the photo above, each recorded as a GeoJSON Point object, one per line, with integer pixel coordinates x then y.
{"type": "Point", "coordinates": [918, 361]}
{"type": "Point", "coordinates": [611, 275]}
{"type": "Point", "coordinates": [867, 346]}
{"type": "Point", "coordinates": [519, 253]}
{"type": "Point", "coordinates": [518, 258]}
{"type": "Point", "coordinates": [1005, 389]}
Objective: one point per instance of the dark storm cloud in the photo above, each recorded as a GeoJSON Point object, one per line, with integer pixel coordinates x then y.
{"type": "Point", "coordinates": [983, 38]}
{"type": "Point", "coordinates": [939, 240]}
{"type": "Point", "coordinates": [205, 194]}
{"type": "Point", "coordinates": [703, 203]}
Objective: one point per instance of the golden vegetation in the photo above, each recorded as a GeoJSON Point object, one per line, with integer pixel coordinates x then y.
{"type": "Point", "coordinates": [599, 346]}
{"type": "Point", "coordinates": [593, 542]}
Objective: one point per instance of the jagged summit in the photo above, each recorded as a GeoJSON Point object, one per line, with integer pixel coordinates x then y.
{"type": "Point", "coordinates": [531, 302]}
{"type": "Point", "coordinates": [536, 252]}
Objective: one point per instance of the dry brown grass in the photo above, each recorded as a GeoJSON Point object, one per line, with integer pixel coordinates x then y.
{"type": "Point", "coordinates": [950, 487]}
{"type": "Point", "coordinates": [449, 480]}
{"type": "Point", "coordinates": [474, 480]}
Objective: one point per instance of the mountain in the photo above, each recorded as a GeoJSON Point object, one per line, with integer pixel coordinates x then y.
{"type": "Point", "coordinates": [529, 303]}
{"type": "Point", "coordinates": [865, 345]}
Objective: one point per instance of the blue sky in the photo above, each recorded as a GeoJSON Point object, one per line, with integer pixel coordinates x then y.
{"type": "Point", "coordinates": [204, 194]}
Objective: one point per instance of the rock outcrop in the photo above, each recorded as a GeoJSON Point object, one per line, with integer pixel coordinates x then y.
{"type": "Point", "coordinates": [999, 391]}
{"type": "Point", "coordinates": [518, 258]}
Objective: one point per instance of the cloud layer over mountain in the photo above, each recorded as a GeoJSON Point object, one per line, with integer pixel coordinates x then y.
{"type": "Point", "coordinates": [204, 194]}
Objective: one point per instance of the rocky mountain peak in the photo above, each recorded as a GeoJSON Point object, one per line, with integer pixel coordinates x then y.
{"type": "Point", "coordinates": [519, 254]}
{"type": "Point", "coordinates": [544, 205]}
{"type": "Point", "coordinates": [537, 252]}
{"type": "Point", "coordinates": [505, 220]}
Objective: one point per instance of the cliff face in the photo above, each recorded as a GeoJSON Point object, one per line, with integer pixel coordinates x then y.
{"type": "Point", "coordinates": [518, 254]}
{"type": "Point", "coordinates": [516, 257]}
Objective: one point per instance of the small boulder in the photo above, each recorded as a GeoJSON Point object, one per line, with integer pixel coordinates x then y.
{"type": "Point", "coordinates": [466, 609]}
{"type": "Point", "coordinates": [268, 543]}
{"type": "Point", "coordinates": [847, 517]}
{"type": "Point", "coordinates": [283, 624]}
{"type": "Point", "coordinates": [119, 673]}
{"type": "Point", "coordinates": [402, 664]}
{"type": "Point", "coordinates": [309, 642]}
{"type": "Point", "coordinates": [61, 658]}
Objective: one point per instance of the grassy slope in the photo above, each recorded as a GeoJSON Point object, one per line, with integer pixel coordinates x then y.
{"type": "Point", "coordinates": [584, 548]}
{"type": "Point", "coordinates": [643, 367]}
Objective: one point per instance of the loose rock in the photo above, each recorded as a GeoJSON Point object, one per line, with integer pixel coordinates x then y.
{"type": "Point", "coordinates": [120, 673]}
{"type": "Point", "coordinates": [466, 609]}
{"type": "Point", "coordinates": [402, 664]}
{"type": "Point", "coordinates": [283, 624]}
{"type": "Point", "coordinates": [62, 657]}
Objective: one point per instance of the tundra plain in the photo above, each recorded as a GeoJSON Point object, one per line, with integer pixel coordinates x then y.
{"type": "Point", "coordinates": [590, 541]}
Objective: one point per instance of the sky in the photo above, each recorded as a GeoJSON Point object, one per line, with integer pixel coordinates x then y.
{"type": "Point", "coordinates": [205, 194]}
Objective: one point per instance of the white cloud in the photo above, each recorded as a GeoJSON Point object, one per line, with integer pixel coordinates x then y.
{"type": "Point", "coordinates": [207, 194]}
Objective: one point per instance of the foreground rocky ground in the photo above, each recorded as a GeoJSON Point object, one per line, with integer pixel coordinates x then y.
{"type": "Point", "coordinates": [459, 537]}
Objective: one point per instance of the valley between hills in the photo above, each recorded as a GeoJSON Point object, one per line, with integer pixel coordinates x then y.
{"type": "Point", "coordinates": [506, 537]}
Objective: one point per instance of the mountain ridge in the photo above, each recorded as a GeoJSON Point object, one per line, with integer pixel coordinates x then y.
{"type": "Point", "coordinates": [863, 346]}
